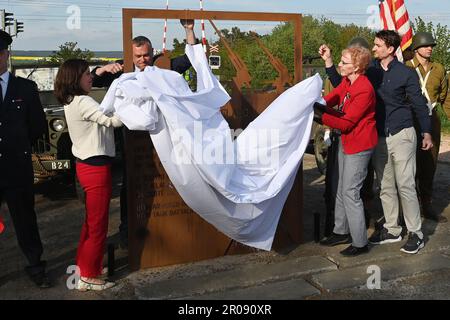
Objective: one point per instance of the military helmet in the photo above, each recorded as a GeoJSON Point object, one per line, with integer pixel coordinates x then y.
{"type": "Point", "coordinates": [423, 39]}
{"type": "Point", "coordinates": [358, 42]}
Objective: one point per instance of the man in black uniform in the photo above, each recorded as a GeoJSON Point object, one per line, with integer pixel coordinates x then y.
{"type": "Point", "coordinates": [22, 121]}
{"type": "Point", "coordinates": [105, 75]}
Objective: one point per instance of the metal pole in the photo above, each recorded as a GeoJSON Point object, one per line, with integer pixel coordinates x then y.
{"type": "Point", "coordinates": [111, 260]}
{"type": "Point", "coordinates": [316, 227]}
{"type": "Point", "coordinates": [10, 53]}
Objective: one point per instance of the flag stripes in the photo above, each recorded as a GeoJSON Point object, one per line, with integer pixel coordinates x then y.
{"type": "Point", "coordinates": [394, 16]}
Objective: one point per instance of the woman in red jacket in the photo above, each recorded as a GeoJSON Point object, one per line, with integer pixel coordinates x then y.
{"type": "Point", "coordinates": [355, 119]}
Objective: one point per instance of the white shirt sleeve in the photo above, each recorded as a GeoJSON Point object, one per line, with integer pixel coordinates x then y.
{"type": "Point", "coordinates": [89, 110]}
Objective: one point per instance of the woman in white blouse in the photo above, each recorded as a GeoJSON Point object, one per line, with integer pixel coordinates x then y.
{"type": "Point", "coordinates": [92, 135]}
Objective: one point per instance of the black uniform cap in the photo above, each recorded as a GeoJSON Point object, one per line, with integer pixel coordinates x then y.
{"type": "Point", "coordinates": [5, 40]}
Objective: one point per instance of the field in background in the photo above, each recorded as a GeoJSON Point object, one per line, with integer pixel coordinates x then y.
{"type": "Point", "coordinates": [24, 60]}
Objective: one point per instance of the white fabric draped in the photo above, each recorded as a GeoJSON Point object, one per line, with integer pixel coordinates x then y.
{"type": "Point", "coordinates": [239, 186]}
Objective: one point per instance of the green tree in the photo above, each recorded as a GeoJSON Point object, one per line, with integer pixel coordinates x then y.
{"type": "Point", "coordinates": [280, 42]}
{"type": "Point", "coordinates": [69, 50]}
{"type": "Point", "coordinates": [178, 48]}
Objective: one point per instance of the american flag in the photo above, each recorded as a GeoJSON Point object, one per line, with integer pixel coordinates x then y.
{"type": "Point", "coordinates": [394, 16]}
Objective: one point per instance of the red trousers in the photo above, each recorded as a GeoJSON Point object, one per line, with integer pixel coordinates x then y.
{"type": "Point", "coordinates": [97, 185]}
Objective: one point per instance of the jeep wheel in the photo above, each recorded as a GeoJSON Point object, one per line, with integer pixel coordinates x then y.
{"type": "Point", "coordinates": [320, 149]}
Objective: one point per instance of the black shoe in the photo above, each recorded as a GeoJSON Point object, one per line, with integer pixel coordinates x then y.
{"type": "Point", "coordinates": [336, 239]}
{"type": "Point", "coordinates": [437, 218]}
{"type": "Point", "coordinates": [413, 245]}
{"type": "Point", "coordinates": [41, 280]}
{"type": "Point", "coordinates": [37, 274]}
{"type": "Point", "coordinates": [430, 214]}
{"type": "Point", "coordinates": [352, 251]}
{"type": "Point", "coordinates": [383, 236]}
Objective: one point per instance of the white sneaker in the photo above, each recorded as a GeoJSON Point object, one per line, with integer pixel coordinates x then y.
{"type": "Point", "coordinates": [87, 286]}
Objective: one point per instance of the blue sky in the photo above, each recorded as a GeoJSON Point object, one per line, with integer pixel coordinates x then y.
{"type": "Point", "coordinates": [46, 20]}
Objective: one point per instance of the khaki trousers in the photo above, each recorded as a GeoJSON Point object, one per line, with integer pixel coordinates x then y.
{"type": "Point", "coordinates": [395, 166]}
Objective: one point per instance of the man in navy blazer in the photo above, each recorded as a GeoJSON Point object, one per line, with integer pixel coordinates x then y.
{"type": "Point", "coordinates": [22, 121]}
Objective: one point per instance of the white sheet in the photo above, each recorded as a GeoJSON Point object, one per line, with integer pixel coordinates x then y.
{"type": "Point", "coordinates": [240, 190]}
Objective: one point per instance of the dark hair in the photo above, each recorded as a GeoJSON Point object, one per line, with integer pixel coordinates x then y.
{"type": "Point", "coordinates": [391, 38]}
{"type": "Point", "coordinates": [67, 83]}
{"type": "Point", "coordinates": [141, 40]}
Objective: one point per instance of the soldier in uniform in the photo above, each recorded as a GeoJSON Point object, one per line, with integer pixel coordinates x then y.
{"type": "Point", "coordinates": [434, 87]}
{"type": "Point", "coordinates": [22, 121]}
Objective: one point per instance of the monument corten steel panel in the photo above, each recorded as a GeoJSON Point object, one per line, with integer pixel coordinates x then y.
{"type": "Point", "coordinates": [163, 230]}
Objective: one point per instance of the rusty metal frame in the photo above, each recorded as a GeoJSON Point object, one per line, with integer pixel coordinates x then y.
{"type": "Point", "coordinates": [157, 252]}
{"type": "Point", "coordinates": [129, 14]}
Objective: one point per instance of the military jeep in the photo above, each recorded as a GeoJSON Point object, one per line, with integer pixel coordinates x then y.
{"type": "Point", "coordinates": [52, 155]}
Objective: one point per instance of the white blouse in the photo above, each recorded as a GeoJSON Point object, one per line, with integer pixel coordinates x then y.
{"type": "Point", "coordinates": [91, 131]}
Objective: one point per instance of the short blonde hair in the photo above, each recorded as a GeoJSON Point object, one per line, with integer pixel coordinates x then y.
{"type": "Point", "coordinates": [360, 57]}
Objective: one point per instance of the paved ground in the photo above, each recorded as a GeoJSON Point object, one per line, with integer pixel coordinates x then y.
{"type": "Point", "coordinates": [307, 272]}
{"type": "Point", "coordinates": [444, 151]}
